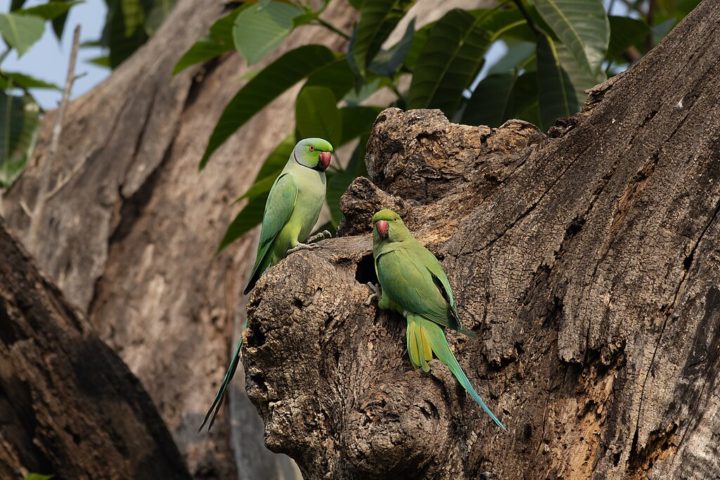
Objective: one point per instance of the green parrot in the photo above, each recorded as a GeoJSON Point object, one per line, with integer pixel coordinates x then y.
{"type": "Point", "coordinates": [291, 211]}
{"type": "Point", "coordinates": [413, 283]}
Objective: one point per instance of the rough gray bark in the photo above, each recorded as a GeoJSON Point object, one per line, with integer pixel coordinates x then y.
{"type": "Point", "coordinates": [70, 406]}
{"type": "Point", "coordinates": [587, 261]}
{"type": "Point", "coordinates": [130, 237]}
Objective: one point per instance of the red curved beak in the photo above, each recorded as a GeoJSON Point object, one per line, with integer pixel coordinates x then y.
{"type": "Point", "coordinates": [382, 228]}
{"type": "Point", "coordinates": [324, 160]}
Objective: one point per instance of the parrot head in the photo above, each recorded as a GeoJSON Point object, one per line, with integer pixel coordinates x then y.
{"type": "Point", "coordinates": [313, 153]}
{"type": "Point", "coordinates": [388, 226]}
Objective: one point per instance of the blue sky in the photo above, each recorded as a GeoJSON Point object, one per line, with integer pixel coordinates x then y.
{"type": "Point", "coordinates": [48, 59]}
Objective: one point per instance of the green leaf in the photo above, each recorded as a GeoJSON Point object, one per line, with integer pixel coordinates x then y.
{"type": "Point", "coordinates": [339, 181]}
{"type": "Point", "coordinates": [250, 216]}
{"type": "Point", "coordinates": [16, 4]}
{"type": "Point", "coordinates": [418, 43]}
{"type": "Point", "coordinates": [19, 119]}
{"type": "Point", "coordinates": [101, 61]}
{"type": "Point", "coordinates": [267, 85]}
{"type": "Point", "coordinates": [259, 29]}
{"type": "Point", "coordinates": [378, 19]}
{"type": "Point", "coordinates": [317, 115]}
{"type": "Point", "coordinates": [122, 34]}
{"type": "Point", "coordinates": [556, 92]}
{"type": "Point", "coordinates": [357, 121]}
{"type": "Point", "coordinates": [491, 102]}
{"type": "Point", "coordinates": [525, 105]}
{"type": "Point", "coordinates": [25, 81]}
{"type": "Point", "coordinates": [518, 56]}
{"type": "Point", "coordinates": [202, 51]}
{"type": "Point", "coordinates": [49, 11]}
{"type": "Point", "coordinates": [579, 77]}
{"type": "Point", "coordinates": [582, 26]}
{"type": "Point", "coordinates": [449, 61]}
{"type": "Point", "coordinates": [133, 16]}
{"type": "Point", "coordinates": [271, 168]}
{"type": "Point", "coordinates": [21, 31]}
{"type": "Point", "coordinates": [218, 41]}
{"type": "Point", "coordinates": [388, 61]}
{"type": "Point", "coordinates": [625, 32]}
{"type": "Point", "coordinates": [337, 76]}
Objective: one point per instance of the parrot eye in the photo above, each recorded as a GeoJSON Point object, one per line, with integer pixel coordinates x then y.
{"type": "Point", "coordinates": [312, 149]}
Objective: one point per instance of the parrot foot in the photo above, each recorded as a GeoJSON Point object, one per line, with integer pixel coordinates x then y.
{"type": "Point", "coordinates": [302, 246]}
{"type": "Point", "coordinates": [319, 236]}
{"type": "Point", "coordinates": [374, 295]}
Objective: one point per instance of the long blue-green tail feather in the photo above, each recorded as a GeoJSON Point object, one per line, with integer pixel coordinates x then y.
{"type": "Point", "coordinates": [215, 407]}
{"type": "Point", "coordinates": [436, 337]}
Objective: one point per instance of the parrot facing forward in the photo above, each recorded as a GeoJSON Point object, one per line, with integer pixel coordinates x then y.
{"type": "Point", "coordinates": [413, 283]}
{"type": "Point", "coordinates": [292, 209]}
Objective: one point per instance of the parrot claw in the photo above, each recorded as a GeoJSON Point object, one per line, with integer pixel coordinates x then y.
{"type": "Point", "coordinates": [320, 236]}
{"type": "Point", "coordinates": [374, 295]}
{"type": "Point", "coordinates": [302, 246]}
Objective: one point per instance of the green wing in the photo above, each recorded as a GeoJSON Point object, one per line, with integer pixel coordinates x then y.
{"type": "Point", "coordinates": [410, 284]}
{"type": "Point", "coordinates": [278, 209]}
{"type": "Point", "coordinates": [414, 279]}
{"type": "Point", "coordinates": [442, 283]}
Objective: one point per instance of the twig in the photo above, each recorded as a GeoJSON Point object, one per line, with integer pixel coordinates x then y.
{"type": "Point", "coordinates": [527, 17]}
{"type": "Point", "coordinates": [39, 207]}
{"type": "Point", "coordinates": [333, 28]}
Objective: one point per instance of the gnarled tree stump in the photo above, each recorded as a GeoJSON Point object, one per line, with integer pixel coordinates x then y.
{"type": "Point", "coordinates": [587, 261]}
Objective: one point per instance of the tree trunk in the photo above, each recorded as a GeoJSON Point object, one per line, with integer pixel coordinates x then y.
{"type": "Point", "coordinates": [130, 230]}
{"type": "Point", "coordinates": [70, 406]}
{"type": "Point", "coordinates": [587, 261]}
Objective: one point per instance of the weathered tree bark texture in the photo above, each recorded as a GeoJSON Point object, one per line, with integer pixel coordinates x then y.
{"type": "Point", "coordinates": [69, 405]}
{"type": "Point", "coordinates": [586, 260]}
{"type": "Point", "coordinates": [130, 231]}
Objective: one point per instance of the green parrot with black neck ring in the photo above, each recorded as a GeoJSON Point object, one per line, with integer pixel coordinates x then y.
{"type": "Point", "coordinates": [291, 211]}
{"type": "Point", "coordinates": [413, 283]}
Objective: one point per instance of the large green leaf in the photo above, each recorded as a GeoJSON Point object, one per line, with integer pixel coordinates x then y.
{"type": "Point", "coordinates": [21, 31]}
{"type": "Point", "coordinates": [525, 105]}
{"type": "Point", "coordinates": [19, 118]}
{"type": "Point", "coordinates": [582, 26]}
{"type": "Point", "coordinates": [386, 62]}
{"type": "Point", "coordinates": [17, 79]}
{"type": "Point", "coordinates": [419, 40]}
{"type": "Point", "coordinates": [49, 11]}
{"type": "Point", "coordinates": [518, 56]}
{"type": "Point", "coordinates": [250, 216]}
{"type": "Point", "coordinates": [271, 168]}
{"type": "Point", "coordinates": [218, 41]}
{"type": "Point", "coordinates": [133, 16]}
{"type": "Point", "coordinates": [449, 61]}
{"type": "Point", "coordinates": [267, 85]}
{"type": "Point", "coordinates": [317, 115]}
{"type": "Point", "coordinates": [625, 32]}
{"type": "Point", "coordinates": [357, 121]}
{"type": "Point", "coordinates": [555, 90]}
{"type": "Point", "coordinates": [339, 181]}
{"type": "Point", "coordinates": [337, 76]}
{"type": "Point", "coordinates": [580, 78]}
{"type": "Point", "coordinates": [378, 19]}
{"type": "Point", "coordinates": [491, 102]}
{"type": "Point", "coordinates": [259, 29]}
